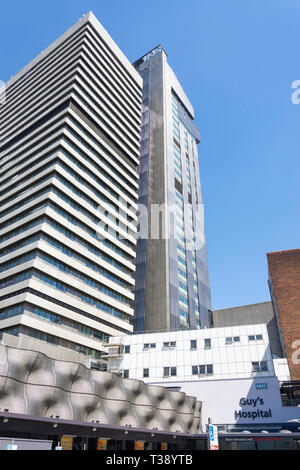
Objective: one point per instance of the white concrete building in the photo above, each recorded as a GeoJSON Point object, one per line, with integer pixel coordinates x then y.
{"type": "Point", "coordinates": [229, 369]}
{"type": "Point", "coordinates": [207, 354]}
{"type": "Point", "coordinates": [69, 151]}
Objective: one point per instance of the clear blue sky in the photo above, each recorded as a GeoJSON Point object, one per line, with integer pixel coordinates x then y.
{"type": "Point", "coordinates": [236, 61]}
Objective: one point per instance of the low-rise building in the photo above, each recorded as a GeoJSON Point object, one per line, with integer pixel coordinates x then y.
{"type": "Point", "coordinates": [230, 369]}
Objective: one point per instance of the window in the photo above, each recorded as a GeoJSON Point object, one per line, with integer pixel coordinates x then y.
{"type": "Point", "coordinates": [228, 340]}
{"type": "Point", "coordinates": [207, 343]}
{"type": "Point", "coordinates": [149, 346]}
{"type": "Point", "coordinates": [256, 337]}
{"type": "Point", "coordinates": [193, 344]}
{"type": "Point", "coordinates": [127, 349]}
{"type": "Point", "coordinates": [170, 344]}
{"type": "Point", "coordinates": [194, 370]}
{"type": "Point", "coordinates": [146, 373]}
{"type": "Point", "coordinates": [126, 373]}
{"type": "Point", "coordinates": [255, 366]}
{"type": "Point", "coordinates": [263, 366]}
{"type": "Point", "coordinates": [205, 369]}
{"type": "Point", "coordinates": [236, 339]}
{"type": "Point", "coordinates": [170, 371]}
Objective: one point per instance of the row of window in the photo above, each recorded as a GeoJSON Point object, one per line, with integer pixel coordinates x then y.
{"type": "Point", "coordinates": [90, 264]}
{"type": "Point", "coordinates": [12, 280]}
{"type": "Point", "coordinates": [69, 201]}
{"type": "Point", "coordinates": [97, 167]}
{"type": "Point", "coordinates": [82, 329]}
{"type": "Point", "coordinates": [40, 335]}
{"type": "Point", "coordinates": [87, 245]}
{"type": "Point", "coordinates": [66, 269]}
{"type": "Point", "coordinates": [11, 312]}
{"type": "Point", "coordinates": [88, 230]}
{"type": "Point", "coordinates": [23, 181]}
{"type": "Point", "coordinates": [87, 214]}
{"type": "Point", "coordinates": [236, 339]}
{"type": "Point", "coordinates": [169, 345]}
{"type": "Point", "coordinates": [88, 101]}
{"type": "Point", "coordinates": [199, 370]}
{"type": "Point", "coordinates": [65, 232]}
{"type": "Point", "coordinates": [194, 343]}
{"type": "Point", "coordinates": [105, 152]}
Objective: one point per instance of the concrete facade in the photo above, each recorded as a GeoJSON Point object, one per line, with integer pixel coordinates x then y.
{"type": "Point", "coordinates": [231, 353]}
{"type": "Point", "coordinates": [69, 152]}
{"type": "Point", "coordinates": [230, 369]}
{"type": "Point", "coordinates": [250, 315]}
{"type": "Point", "coordinates": [32, 383]}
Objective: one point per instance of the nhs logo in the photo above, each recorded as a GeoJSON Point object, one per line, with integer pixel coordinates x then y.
{"type": "Point", "coordinates": [261, 386]}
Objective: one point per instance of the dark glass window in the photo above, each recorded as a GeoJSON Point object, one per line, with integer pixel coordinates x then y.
{"type": "Point", "coordinates": [263, 366]}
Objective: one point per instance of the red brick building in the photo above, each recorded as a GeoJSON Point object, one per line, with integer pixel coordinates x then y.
{"type": "Point", "coordinates": [284, 282]}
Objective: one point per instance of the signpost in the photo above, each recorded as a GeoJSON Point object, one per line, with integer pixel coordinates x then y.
{"type": "Point", "coordinates": [213, 437]}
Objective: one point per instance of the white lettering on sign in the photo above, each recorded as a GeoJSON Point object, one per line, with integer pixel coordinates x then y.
{"type": "Point", "coordinates": [152, 53]}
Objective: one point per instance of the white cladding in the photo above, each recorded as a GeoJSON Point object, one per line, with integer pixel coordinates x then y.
{"type": "Point", "coordinates": [69, 150]}
{"type": "Point", "coordinates": [234, 393]}
{"type": "Point", "coordinates": [231, 351]}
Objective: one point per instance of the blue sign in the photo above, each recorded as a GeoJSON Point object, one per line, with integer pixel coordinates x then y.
{"type": "Point", "coordinates": [213, 437]}
{"type": "Point", "coordinates": [261, 386]}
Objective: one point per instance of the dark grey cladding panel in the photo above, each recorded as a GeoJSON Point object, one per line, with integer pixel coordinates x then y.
{"type": "Point", "coordinates": [189, 124]}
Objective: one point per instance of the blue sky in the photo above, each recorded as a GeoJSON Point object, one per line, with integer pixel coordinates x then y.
{"type": "Point", "coordinates": [236, 61]}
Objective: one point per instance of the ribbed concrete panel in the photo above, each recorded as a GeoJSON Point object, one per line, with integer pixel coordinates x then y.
{"type": "Point", "coordinates": [34, 384]}
{"type": "Point", "coordinates": [69, 151]}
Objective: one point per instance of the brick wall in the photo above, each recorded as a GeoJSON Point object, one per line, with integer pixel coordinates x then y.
{"type": "Point", "coordinates": [284, 276]}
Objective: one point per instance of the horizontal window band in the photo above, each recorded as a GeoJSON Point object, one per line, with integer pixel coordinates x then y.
{"type": "Point", "coordinates": [61, 304]}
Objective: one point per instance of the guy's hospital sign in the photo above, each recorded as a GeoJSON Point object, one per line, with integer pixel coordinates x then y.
{"type": "Point", "coordinates": [255, 410]}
